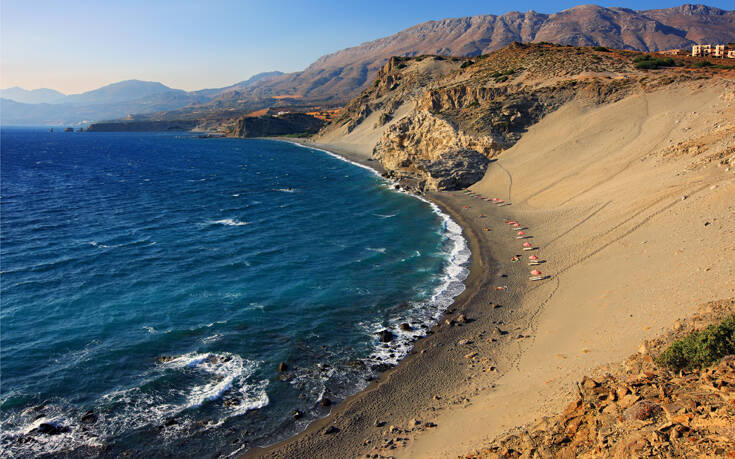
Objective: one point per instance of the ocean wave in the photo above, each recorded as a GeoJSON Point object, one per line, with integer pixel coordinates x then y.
{"type": "Point", "coordinates": [228, 222]}
{"type": "Point", "coordinates": [379, 249]}
{"type": "Point", "coordinates": [201, 378]}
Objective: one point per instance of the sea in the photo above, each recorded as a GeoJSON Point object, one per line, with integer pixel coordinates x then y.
{"type": "Point", "coordinates": [167, 295]}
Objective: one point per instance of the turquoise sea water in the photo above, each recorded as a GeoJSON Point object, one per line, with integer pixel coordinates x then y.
{"type": "Point", "coordinates": [151, 283]}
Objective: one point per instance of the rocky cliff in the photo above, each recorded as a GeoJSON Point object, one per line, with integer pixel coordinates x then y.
{"type": "Point", "coordinates": [131, 126]}
{"type": "Point", "coordinates": [268, 126]}
{"type": "Point", "coordinates": [427, 113]}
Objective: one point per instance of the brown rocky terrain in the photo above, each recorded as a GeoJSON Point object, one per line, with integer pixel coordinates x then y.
{"type": "Point", "coordinates": [640, 409]}
{"type": "Point", "coordinates": [421, 108]}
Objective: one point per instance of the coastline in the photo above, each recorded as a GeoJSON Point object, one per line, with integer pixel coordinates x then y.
{"type": "Point", "coordinates": [433, 376]}
{"type": "Point", "coordinates": [601, 198]}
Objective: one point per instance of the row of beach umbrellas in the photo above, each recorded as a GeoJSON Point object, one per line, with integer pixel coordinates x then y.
{"type": "Point", "coordinates": [520, 233]}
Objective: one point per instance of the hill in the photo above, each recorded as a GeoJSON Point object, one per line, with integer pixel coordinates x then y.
{"type": "Point", "coordinates": [33, 96]}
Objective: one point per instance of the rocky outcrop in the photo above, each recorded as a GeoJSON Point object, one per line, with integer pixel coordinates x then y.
{"type": "Point", "coordinates": [423, 136]}
{"type": "Point", "coordinates": [423, 151]}
{"type": "Point", "coordinates": [285, 124]}
{"type": "Point", "coordinates": [454, 170]}
{"type": "Point", "coordinates": [142, 126]}
{"type": "Point", "coordinates": [640, 409]}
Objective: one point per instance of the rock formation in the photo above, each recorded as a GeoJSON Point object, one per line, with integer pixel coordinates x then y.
{"type": "Point", "coordinates": [285, 124]}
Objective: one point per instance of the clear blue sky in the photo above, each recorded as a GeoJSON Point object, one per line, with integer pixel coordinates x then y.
{"type": "Point", "coordinates": [74, 46]}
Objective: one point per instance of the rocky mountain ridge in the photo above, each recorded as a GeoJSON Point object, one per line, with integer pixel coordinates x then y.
{"type": "Point", "coordinates": [344, 73]}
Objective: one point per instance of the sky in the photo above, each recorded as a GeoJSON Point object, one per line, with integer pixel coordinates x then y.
{"type": "Point", "coordinates": [74, 46]}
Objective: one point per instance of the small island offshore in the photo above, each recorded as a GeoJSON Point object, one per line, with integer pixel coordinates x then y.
{"type": "Point", "coordinates": [586, 177]}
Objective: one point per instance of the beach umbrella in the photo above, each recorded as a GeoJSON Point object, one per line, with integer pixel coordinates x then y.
{"type": "Point", "coordinates": [517, 225]}
{"type": "Point", "coordinates": [521, 233]}
{"type": "Point", "coordinates": [533, 257]}
{"type": "Point", "coordinates": [536, 275]}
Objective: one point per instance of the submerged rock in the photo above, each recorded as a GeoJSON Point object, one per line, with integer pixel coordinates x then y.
{"type": "Point", "coordinates": [282, 367]}
{"type": "Point", "coordinates": [50, 428]}
{"type": "Point", "coordinates": [89, 417]}
{"type": "Point", "coordinates": [386, 336]}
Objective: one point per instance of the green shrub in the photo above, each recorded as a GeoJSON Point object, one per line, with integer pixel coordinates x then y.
{"type": "Point", "coordinates": [701, 64]}
{"type": "Point", "coordinates": [420, 58]}
{"type": "Point", "coordinates": [509, 72]}
{"type": "Point", "coordinates": [501, 79]}
{"type": "Point", "coordinates": [401, 66]}
{"type": "Point", "coordinates": [601, 48]}
{"type": "Point", "coordinates": [466, 64]}
{"type": "Point", "coordinates": [649, 62]}
{"type": "Point", "coordinates": [438, 58]}
{"type": "Point", "coordinates": [701, 349]}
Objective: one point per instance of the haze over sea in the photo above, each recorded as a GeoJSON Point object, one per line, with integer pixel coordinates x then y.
{"type": "Point", "coordinates": [152, 283]}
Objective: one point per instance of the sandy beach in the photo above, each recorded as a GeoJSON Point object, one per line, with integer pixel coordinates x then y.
{"type": "Point", "coordinates": [634, 230]}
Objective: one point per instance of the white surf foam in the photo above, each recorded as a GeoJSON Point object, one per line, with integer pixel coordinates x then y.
{"type": "Point", "coordinates": [228, 222]}
{"type": "Point", "coordinates": [213, 376]}
{"type": "Point", "coordinates": [427, 312]}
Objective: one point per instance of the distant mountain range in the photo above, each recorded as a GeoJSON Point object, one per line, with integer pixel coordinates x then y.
{"type": "Point", "coordinates": [34, 96]}
{"type": "Point", "coordinates": [118, 100]}
{"type": "Point", "coordinates": [336, 78]}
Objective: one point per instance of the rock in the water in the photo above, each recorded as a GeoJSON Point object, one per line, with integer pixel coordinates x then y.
{"type": "Point", "coordinates": [386, 336]}
{"type": "Point", "coordinates": [89, 417]}
{"type": "Point", "coordinates": [297, 414]}
{"type": "Point", "coordinates": [50, 428]}
{"type": "Point", "coordinates": [282, 367]}
{"type": "Point", "coordinates": [406, 327]}
{"type": "Point", "coordinates": [325, 402]}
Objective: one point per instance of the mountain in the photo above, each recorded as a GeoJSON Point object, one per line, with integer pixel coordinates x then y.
{"type": "Point", "coordinates": [341, 75]}
{"type": "Point", "coordinates": [121, 92]}
{"type": "Point", "coordinates": [117, 100]}
{"type": "Point", "coordinates": [241, 85]}
{"type": "Point", "coordinates": [34, 96]}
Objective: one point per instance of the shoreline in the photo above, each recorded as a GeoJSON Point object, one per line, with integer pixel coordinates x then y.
{"type": "Point", "coordinates": [432, 363]}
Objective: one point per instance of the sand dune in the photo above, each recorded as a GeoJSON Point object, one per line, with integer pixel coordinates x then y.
{"type": "Point", "coordinates": [633, 241]}
{"type": "Point", "coordinates": [632, 207]}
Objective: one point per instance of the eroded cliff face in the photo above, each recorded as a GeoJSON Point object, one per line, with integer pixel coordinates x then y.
{"type": "Point", "coordinates": [482, 104]}
{"type": "Point", "coordinates": [286, 124]}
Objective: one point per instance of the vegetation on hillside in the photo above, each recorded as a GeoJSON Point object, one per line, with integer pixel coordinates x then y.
{"type": "Point", "coordinates": [701, 349]}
